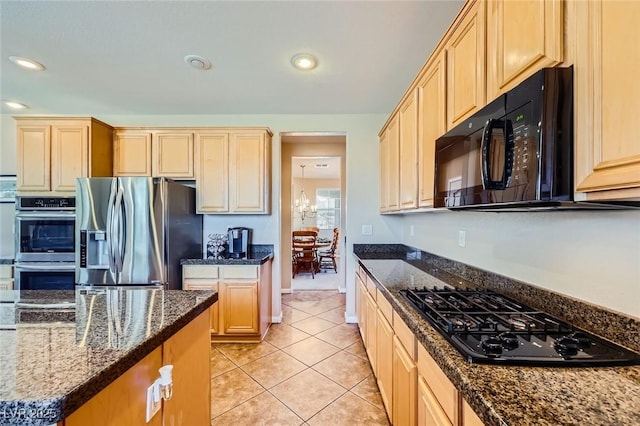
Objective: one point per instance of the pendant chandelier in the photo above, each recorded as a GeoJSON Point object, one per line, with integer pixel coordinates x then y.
{"type": "Point", "coordinates": [302, 204]}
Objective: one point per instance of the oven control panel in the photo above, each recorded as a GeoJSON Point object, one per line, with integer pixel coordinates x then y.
{"type": "Point", "coordinates": [46, 203]}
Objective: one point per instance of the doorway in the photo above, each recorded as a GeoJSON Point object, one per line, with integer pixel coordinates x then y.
{"type": "Point", "coordinates": [324, 159]}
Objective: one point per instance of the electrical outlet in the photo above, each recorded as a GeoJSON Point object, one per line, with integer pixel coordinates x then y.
{"type": "Point", "coordinates": [152, 407]}
{"type": "Point", "coordinates": [462, 238]}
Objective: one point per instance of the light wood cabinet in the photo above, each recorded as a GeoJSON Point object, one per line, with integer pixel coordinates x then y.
{"type": "Point", "coordinates": [53, 152]}
{"type": "Point", "coordinates": [371, 330]}
{"type": "Point", "coordinates": [469, 417]}
{"type": "Point", "coordinates": [233, 174]}
{"type": "Point", "coordinates": [123, 402]}
{"type": "Point", "coordinates": [408, 152]}
{"type": "Point", "coordinates": [361, 307]}
{"type": "Point", "coordinates": [465, 55]}
{"type": "Point", "coordinates": [444, 393]}
{"type": "Point", "coordinates": [431, 124]}
{"type": "Point", "coordinates": [390, 167]}
{"type": "Point", "coordinates": [384, 360]}
{"type": "Point", "coordinates": [6, 277]}
{"type": "Point", "coordinates": [522, 37]}
{"type": "Point", "coordinates": [154, 152]}
{"type": "Point", "coordinates": [405, 382]}
{"type": "Point", "coordinates": [243, 310]}
{"type": "Point", "coordinates": [429, 410]}
{"type": "Point", "coordinates": [607, 98]}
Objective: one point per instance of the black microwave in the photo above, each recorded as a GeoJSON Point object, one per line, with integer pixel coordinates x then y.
{"type": "Point", "coordinates": [517, 152]}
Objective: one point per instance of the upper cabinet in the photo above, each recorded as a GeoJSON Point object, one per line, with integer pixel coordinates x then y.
{"type": "Point", "coordinates": [233, 173]}
{"type": "Point", "coordinates": [522, 37]}
{"type": "Point", "coordinates": [408, 152]}
{"type": "Point", "coordinates": [431, 123]}
{"type": "Point", "coordinates": [465, 54]}
{"type": "Point", "coordinates": [53, 152]}
{"type": "Point", "coordinates": [154, 152]}
{"type": "Point", "coordinates": [607, 98]}
{"type": "Point", "coordinates": [390, 167]}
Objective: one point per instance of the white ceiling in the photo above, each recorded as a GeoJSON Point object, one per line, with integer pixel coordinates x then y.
{"type": "Point", "coordinates": [126, 57]}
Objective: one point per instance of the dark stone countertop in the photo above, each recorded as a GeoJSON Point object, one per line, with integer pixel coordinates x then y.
{"type": "Point", "coordinates": [58, 349]}
{"type": "Point", "coordinates": [513, 395]}
{"type": "Point", "coordinates": [258, 254]}
{"type": "Point", "coordinates": [5, 261]}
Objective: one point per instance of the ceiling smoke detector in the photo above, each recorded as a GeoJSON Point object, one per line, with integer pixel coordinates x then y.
{"type": "Point", "coordinates": [198, 62]}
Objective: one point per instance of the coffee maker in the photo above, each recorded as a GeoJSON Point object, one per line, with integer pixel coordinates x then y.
{"type": "Point", "coordinates": [238, 242]}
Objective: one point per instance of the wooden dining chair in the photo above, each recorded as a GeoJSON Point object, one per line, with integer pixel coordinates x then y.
{"type": "Point", "coordinates": [327, 258]}
{"type": "Point", "coordinates": [304, 257]}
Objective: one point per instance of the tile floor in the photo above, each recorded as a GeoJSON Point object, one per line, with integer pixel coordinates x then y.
{"type": "Point", "coordinates": [310, 370]}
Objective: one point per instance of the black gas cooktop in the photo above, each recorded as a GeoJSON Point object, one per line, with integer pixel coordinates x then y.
{"type": "Point", "coordinates": [487, 327]}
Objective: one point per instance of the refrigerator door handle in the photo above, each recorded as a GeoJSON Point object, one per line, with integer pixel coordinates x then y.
{"type": "Point", "coordinates": [111, 241]}
{"type": "Point", "coordinates": [119, 251]}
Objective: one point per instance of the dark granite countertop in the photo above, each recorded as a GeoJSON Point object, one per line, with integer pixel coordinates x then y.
{"type": "Point", "coordinates": [60, 348]}
{"type": "Point", "coordinates": [5, 261]}
{"type": "Point", "coordinates": [514, 395]}
{"type": "Point", "coordinates": [258, 254]}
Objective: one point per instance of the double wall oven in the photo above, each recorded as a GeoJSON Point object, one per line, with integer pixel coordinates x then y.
{"type": "Point", "coordinates": [45, 243]}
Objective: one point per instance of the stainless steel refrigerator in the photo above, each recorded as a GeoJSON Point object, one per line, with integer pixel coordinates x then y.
{"type": "Point", "coordinates": [134, 231]}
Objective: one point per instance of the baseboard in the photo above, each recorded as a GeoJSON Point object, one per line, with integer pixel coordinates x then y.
{"type": "Point", "coordinates": [342, 289]}
{"type": "Point", "coordinates": [350, 319]}
{"type": "Point", "coordinates": [285, 291]}
{"type": "Point", "coordinates": [276, 319]}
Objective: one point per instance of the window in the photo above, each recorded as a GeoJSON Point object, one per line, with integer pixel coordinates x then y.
{"type": "Point", "coordinates": [328, 204]}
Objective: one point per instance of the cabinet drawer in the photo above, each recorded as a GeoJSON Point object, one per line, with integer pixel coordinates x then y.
{"type": "Point", "coordinates": [200, 271]}
{"type": "Point", "coordinates": [371, 287]}
{"type": "Point", "coordinates": [242, 271]}
{"type": "Point", "coordinates": [384, 306]}
{"type": "Point", "coordinates": [439, 384]}
{"type": "Point", "coordinates": [199, 285]}
{"type": "Point", "coordinates": [405, 336]}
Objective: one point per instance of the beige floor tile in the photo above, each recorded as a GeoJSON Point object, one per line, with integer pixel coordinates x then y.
{"type": "Point", "coordinates": [342, 336]}
{"type": "Point", "coordinates": [283, 335]}
{"type": "Point", "coordinates": [349, 410]}
{"type": "Point", "coordinates": [321, 392]}
{"type": "Point", "coordinates": [262, 410]}
{"type": "Point", "coordinates": [242, 353]}
{"type": "Point", "coordinates": [220, 364]}
{"type": "Point", "coordinates": [336, 315]}
{"type": "Point", "coordinates": [344, 368]}
{"type": "Point", "coordinates": [313, 325]}
{"type": "Point", "coordinates": [273, 369]}
{"type": "Point", "coordinates": [368, 390]}
{"type": "Point", "coordinates": [290, 315]}
{"type": "Point", "coordinates": [358, 349]}
{"type": "Point", "coordinates": [311, 351]}
{"type": "Point", "coordinates": [231, 389]}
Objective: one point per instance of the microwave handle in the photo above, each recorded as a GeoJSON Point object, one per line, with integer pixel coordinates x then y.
{"type": "Point", "coordinates": [485, 147]}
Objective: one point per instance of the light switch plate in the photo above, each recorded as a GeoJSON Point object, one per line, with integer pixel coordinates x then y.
{"type": "Point", "coordinates": [152, 407]}
{"type": "Point", "coordinates": [367, 229]}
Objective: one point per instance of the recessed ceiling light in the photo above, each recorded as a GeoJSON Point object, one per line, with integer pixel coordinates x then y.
{"type": "Point", "coordinates": [27, 63]}
{"type": "Point", "coordinates": [15, 105]}
{"type": "Point", "coordinates": [304, 61]}
{"type": "Point", "coordinates": [198, 62]}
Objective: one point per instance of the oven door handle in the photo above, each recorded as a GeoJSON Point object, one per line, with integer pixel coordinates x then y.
{"type": "Point", "coordinates": [45, 267]}
{"type": "Point", "coordinates": [119, 229]}
{"type": "Point", "coordinates": [62, 305]}
{"type": "Point", "coordinates": [47, 215]}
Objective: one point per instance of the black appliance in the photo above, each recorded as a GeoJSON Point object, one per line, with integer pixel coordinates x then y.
{"type": "Point", "coordinates": [486, 327]}
{"type": "Point", "coordinates": [517, 152]}
{"type": "Point", "coordinates": [238, 242]}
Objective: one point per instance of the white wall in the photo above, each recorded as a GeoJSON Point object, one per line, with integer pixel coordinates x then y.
{"type": "Point", "coordinates": [7, 167]}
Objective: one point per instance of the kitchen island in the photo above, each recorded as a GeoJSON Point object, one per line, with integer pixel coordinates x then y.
{"type": "Point", "coordinates": [88, 356]}
{"type": "Point", "coordinates": [502, 394]}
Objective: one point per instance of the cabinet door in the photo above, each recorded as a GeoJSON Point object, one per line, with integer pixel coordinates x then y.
{"type": "Point", "coordinates": [247, 172]}
{"type": "Point", "coordinates": [522, 37]}
{"type": "Point", "coordinates": [240, 307]}
{"type": "Point", "coordinates": [405, 381]}
{"type": "Point", "coordinates": [189, 353]}
{"type": "Point", "coordinates": [34, 157]}
{"type": "Point", "coordinates": [384, 360]}
{"type": "Point", "coordinates": [212, 172]}
{"type": "Point", "coordinates": [466, 65]}
{"type": "Point", "coordinates": [429, 412]}
{"type": "Point", "coordinates": [198, 284]}
{"type": "Point", "coordinates": [469, 417]}
{"type": "Point", "coordinates": [172, 155]}
{"type": "Point", "coordinates": [69, 155]}
{"type": "Point", "coordinates": [607, 99]}
{"type": "Point", "coordinates": [408, 152]}
{"type": "Point", "coordinates": [431, 125]}
{"type": "Point", "coordinates": [362, 313]}
{"type": "Point", "coordinates": [390, 167]}
{"type": "Point", "coordinates": [372, 320]}
{"type": "Point", "coordinates": [132, 153]}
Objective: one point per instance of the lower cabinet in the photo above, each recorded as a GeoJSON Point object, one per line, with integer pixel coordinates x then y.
{"type": "Point", "coordinates": [243, 310]}
{"type": "Point", "coordinates": [414, 390]}
{"type": "Point", "coordinates": [123, 402]}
